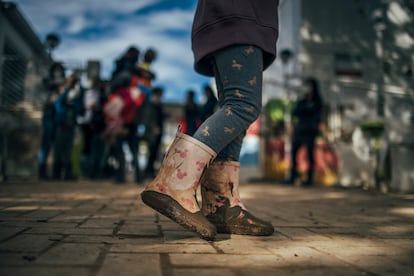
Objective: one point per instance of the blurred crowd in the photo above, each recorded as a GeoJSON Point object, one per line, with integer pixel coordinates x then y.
{"type": "Point", "coordinates": [113, 118]}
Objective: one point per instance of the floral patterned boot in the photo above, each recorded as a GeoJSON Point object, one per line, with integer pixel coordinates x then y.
{"type": "Point", "coordinates": [173, 191]}
{"type": "Point", "coordinates": [221, 202]}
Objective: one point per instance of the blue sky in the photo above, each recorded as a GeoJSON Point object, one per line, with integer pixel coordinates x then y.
{"type": "Point", "coordinates": [103, 29]}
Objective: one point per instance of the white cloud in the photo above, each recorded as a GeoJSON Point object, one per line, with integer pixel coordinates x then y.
{"type": "Point", "coordinates": [175, 19]}
{"type": "Point", "coordinates": [77, 24]}
{"type": "Point", "coordinates": [166, 31]}
{"type": "Point", "coordinates": [46, 15]}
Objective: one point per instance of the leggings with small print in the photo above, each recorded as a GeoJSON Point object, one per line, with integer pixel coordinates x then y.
{"type": "Point", "coordinates": [238, 72]}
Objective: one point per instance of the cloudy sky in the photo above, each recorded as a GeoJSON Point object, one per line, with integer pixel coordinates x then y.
{"type": "Point", "coordinates": [103, 29]}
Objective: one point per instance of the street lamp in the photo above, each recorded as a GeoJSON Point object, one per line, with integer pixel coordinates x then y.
{"type": "Point", "coordinates": [379, 27]}
{"type": "Point", "coordinates": [51, 42]}
{"type": "Point", "coordinates": [285, 56]}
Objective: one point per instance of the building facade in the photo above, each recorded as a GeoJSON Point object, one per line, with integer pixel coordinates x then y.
{"type": "Point", "coordinates": [24, 62]}
{"type": "Point", "coordinates": [361, 52]}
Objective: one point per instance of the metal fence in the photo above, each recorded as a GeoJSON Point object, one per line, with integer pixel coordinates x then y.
{"type": "Point", "coordinates": [12, 78]}
{"type": "Point", "coordinates": [12, 93]}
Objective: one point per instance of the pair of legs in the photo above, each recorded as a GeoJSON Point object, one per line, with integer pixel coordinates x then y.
{"type": "Point", "coordinates": [189, 161]}
{"type": "Point", "coordinates": [307, 140]}
{"type": "Point", "coordinates": [131, 139]}
{"type": "Point", "coordinates": [48, 134]}
{"type": "Point", "coordinates": [154, 147]}
{"type": "Point", "coordinates": [238, 74]}
{"type": "Point", "coordinates": [62, 153]}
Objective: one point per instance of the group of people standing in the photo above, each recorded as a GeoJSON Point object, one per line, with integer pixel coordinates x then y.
{"type": "Point", "coordinates": [107, 114]}
{"type": "Point", "coordinates": [234, 43]}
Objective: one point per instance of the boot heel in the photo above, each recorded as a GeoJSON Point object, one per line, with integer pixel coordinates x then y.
{"type": "Point", "coordinates": [170, 208]}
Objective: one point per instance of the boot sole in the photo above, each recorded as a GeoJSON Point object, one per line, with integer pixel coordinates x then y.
{"type": "Point", "coordinates": [249, 231]}
{"type": "Point", "coordinates": [239, 222]}
{"type": "Point", "coordinates": [170, 208]}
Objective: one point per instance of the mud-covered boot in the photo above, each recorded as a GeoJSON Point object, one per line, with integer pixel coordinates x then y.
{"type": "Point", "coordinates": [221, 202]}
{"type": "Point", "coordinates": [173, 191]}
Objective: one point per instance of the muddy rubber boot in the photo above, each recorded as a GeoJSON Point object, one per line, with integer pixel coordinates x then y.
{"type": "Point", "coordinates": [221, 202]}
{"type": "Point", "coordinates": [173, 191]}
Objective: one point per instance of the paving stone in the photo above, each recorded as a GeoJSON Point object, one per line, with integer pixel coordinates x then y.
{"type": "Point", "coordinates": [279, 221]}
{"type": "Point", "coordinates": [380, 265]}
{"type": "Point", "coordinates": [8, 231]}
{"type": "Point", "coordinates": [351, 245]}
{"type": "Point", "coordinates": [68, 219]}
{"type": "Point", "coordinates": [74, 217]}
{"type": "Point", "coordinates": [160, 247]}
{"type": "Point", "coordinates": [103, 239]}
{"type": "Point", "coordinates": [318, 232]}
{"type": "Point", "coordinates": [37, 223]}
{"type": "Point", "coordinates": [300, 271]}
{"type": "Point", "coordinates": [16, 259]}
{"type": "Point", "coordinates": [131, 264]}
{"type": "Point", "coordinates": [404, 243]}
{"type": "Point", "coordinates": [336, 231]}
{"type": "Point", "coordinates": [362, 251]}
{"type": "Point", "coordinates": [42, 214]}
{"type": "Point", "coordinates": [29, 243]}
{"type": "Point", "coordinates": [141, 211]}
{"type": "Point", "coordinates": [21, 209]}
{"type": "Point", "coordinates": [4, 216]}
{"type": "Point", "coordinates": [300, 233]}
{"type": "Point", "coordinates": [206, 272]}
{"type": "Point", "coordinates": [71, 254]}
{"type": "Point", "coordinates": [100, 223]}
{"type": "Point", "coordinates": [224, 260]}
{"type": "Point", "coordinates": [392, 231]}
{"type": "Point", "coordinates": [297, 255]}
{"type": "Point", "coordinates": [44, 271]}
{"type": "Point", "coordinates": [143, 221]}
{"type": "Point", "coordinates": [182, 236]}
{"type": "Point", "coordinates": [245, 247]}
{"type": "Point", "coordinates": [139, 229]}
{"type": "Point", "coordinates": [406, 259]}
{"type": "Point", "coordinates": [70, 231]}
{"type": "Point", "coordinates": [171, 226]}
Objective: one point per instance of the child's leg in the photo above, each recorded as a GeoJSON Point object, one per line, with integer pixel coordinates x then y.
{"type": "Point", "coordinates": [239, 78]}
{"type": "Point", "coordinates": [232, 151]}
{"type": "Point", "coordinates": [239, 82]}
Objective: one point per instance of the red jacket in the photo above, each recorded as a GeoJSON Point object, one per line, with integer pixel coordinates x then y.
{"type": "Point", "coordinates": [125, 108]}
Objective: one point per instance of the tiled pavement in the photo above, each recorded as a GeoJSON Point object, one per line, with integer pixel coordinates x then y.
{"type": "Point", "coordinates": [92, 228]}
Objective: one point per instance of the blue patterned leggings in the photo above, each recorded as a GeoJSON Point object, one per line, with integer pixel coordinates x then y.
{"type": "Point", "coordinates": [238, 74]}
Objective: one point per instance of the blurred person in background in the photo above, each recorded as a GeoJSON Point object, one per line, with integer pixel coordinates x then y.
{"type": "Point", "coordinates": [67, 107]}
{"type": "Point", "coordinates": [154, 125]}
{"type": "Point", "coordinates": [191, 114]}
{"type": "Point", "coordinates": [210, 105]}
{"type": "Point", "coordinates": [127, 62]}
{"type": "Point", "coordinates": [146, 73]}
{"type": "Point", "coordinates": [307, 116]}
{"type": "Point", "coordinates": [119, 110]}
{"type": "Point", "coordinates": [89, 102]}
{"type": "Point", "coordinates": [53, 84]}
